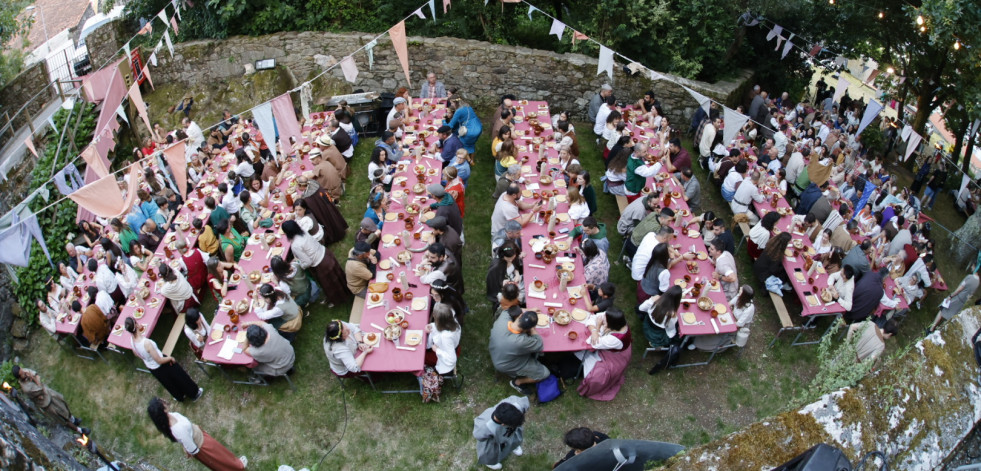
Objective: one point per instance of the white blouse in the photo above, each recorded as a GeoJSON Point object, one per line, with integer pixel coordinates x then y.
{"type": "Point", "coordinates": [340, 355]}
{"type": "Point", "coordinates": [183, 432]}
{"type": "Point", "coordinates": [445, 342]}
{"type": "Point", "coordinates": [203, 331]}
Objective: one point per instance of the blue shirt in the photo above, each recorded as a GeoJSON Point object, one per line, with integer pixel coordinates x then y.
{"type": "Point", "coordinates": [371, 214]}
{"type": "Point", "coordinates": [393, 154]}
{"type": "Point", "coordinates": [462, 171]}
{"type": "Point", "coordinates": [450, 145]}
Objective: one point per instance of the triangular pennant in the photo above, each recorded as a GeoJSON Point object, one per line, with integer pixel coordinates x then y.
{"type": "Point", "coordinates": [780, 40]}
{"type": "Point", "coordinates": [786, 49]}
{"type": "Point", "coordinates": [177, 8]}
{"type": "Point", "coordinates": [839, 91]}
{"type": "Point", "coordinates": [734, 122]}
{"type": "Point", "coordinates": [136, 98]}
{"type": "Point", "coordinates": [905, 133]}
{"type": "Point", "coordinates": [370, 49]}
{"type": "Point", "coordinates": [557, 29]}
{"type": "Point", "coordinates": [397, 34]}
{"type": "Point", "coordinates": [350, 69]}
{"type": "Point", "coordinates": [29, 142]}
{"type": "Point", "coordinates": [146, 72]}
{"type": "Point", "coordinates": [875, 73]}
{"type": "Point", "coordinates": [170, 45]}
{"type": "Point", "coordinates": [702, 100]}
{"type": "Point", "coordinates": [158, 47]}
{"type": "Point", "coordinates": [446, 6]}
{"type": "Point", "coordinates": [163, 16]}
{"type": "Point", "coordinates": [531, 9]}
{"type": "Point", "coordinates": [126, 49]}
{"type": "Point", "coordinates": [91, 156]}
{"type": "Point", "coordinates": [121, 112]}
{"type": "Point", "coordinates": [432, 8]}
{"type": "Point", "coordinates": [605, 62]}
{"type": "Point", "coordinates": [153, 59]}
{"type": "Point", "coordinates": [173, 23]}
{"type": "Point", "coordinates": [576, 35]}
{"type": "Point", "coordinates": [176, 156]}
{"type": "Point", "coordinates": [419, 13]}
{"type": "Point", "coordinates": [777, 29]}
{"type": "Point", "coordinates": [912, 144]}
{"type": "Point", "coordinates": [871, 111]}
{"type": "Point", "coordinates": [146, 29]}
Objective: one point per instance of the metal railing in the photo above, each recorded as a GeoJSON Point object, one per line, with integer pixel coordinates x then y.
{"type": "Point", "coordinates": [11, 124]}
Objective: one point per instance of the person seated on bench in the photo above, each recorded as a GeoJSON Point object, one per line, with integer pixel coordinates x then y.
{"type": "Point", "coordinates": [341, 340]}
{"type": "Point", "coordinates": [272, 354]}
{"type": "Point", "coordinates": [743, 311]}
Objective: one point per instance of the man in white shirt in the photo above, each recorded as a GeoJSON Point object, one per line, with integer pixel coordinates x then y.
{"type": "Point", "coordinates": [842, 285]}
{"type": "Point", "coordinates": [732, 180]}
{"type": "Point", "coordinates": [825, 130]}
{"type": "Point", "coordinates": [707, 138]}
{"type": "Point", "coordinates": [397, 112]}
{"type": "Point", "coordinates": [195, 137]}
{"type": "Point", "coordinates": [725, 268]}
{"type": "Point", "coordinates": [638, 266]}
{"type": "Point", "coordinates": [745, 195]}
{"type": "Point", "coordinates": [105, 281]}
{"type": "Point", "coordinates": [780, 140]}
{"type": "Point", "coordinates": [229, 201]}
{"type": "Point", "coordinates": [604, 112]}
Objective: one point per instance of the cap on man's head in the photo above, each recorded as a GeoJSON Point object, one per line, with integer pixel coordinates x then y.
{"type": "Point", "coordinates": [607, 87]}
{"type": "Point", "coordinates": [368, 225]}
{"type": "Point", "coordinates": [438, 222]}
{"type": "Point", "coordinates": [398, 101]}
{"type": "Point", "coordinates": [361, 247]}
{"type": "Point", "coordinates": [444, 129]}
{"type": "Point", "coordinates": [436, 190]}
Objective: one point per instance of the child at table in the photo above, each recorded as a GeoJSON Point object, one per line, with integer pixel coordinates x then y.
{"type": "Point", "coordinates": [443, 340]}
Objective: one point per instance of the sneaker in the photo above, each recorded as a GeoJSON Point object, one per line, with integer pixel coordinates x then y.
{"type": "Point", "coordinates": [76, 421]}
{"type": "Point", "coordinates": [516, 387]}
{"type": "Point", "coordinates": [495, 466]}
{"type": "Point", "coordinates": [244, 460]}
{"type": "Point", "coordinates": [255, 379]}
{"type": "Point", "coordinates": [518, 451]}
{"type": "Point", "coordinates": [200, 393]}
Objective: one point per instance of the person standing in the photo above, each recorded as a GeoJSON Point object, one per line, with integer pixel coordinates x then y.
{"type": "Point", "coordinates": [196, 442]}
{"type": "Point", "coordinates": [45, 398]}
{"type": "Point", "coordinates": [955, 302]}
{"type": "Point", "coordinates": [163, 367]}
{"type": "Point", "coordinates": [499, 431]}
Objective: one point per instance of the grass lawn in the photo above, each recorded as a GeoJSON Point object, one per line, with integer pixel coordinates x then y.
{"type": "Point", "coordinates": [369, 430]}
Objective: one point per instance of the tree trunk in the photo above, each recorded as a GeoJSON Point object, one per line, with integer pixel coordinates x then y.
{"type": "Point", "coordinates": [959, 142]}
{"type": "Point", "coordinates": [922, 113]}
{"type": "Point", "coordinates": [965, 239]}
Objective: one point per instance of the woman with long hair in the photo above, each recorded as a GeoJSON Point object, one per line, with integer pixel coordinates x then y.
{"type": "Point", "coordinates": [443, 340]}
{"type": "Point", "coordinates": [162, 366]}
{"type": "Point", "coordinates": [660, 317]}
{"type": "Point", "coordinates": [280, 311]}
{"type": "Point", "coordinates": [311, 255]}
{"type": "Point", "coordinates": [218, 272]}
{"type": "Point", "coordinates": [91, 231]}
{"type": "Point", "coordinates": [596, 265]}
{"type": "Point", "coordinates": [197, 330]}
{"type": "Point", "coordinates": [443, 293]}
{"type": "Point", "coordinates": [196, 442]}
{"type": "Point", "coordinates": [232, 243]}
{"type": "Point", "coordinates": [294, 281]}
{"type": "Point", "coordinates": [616, 171]}
{"type": "Point", "coordinates": [604, 366]}
{"type": "Point", "coordinates": [173, 286]}
{"type": "Point", "coordinates": [770, 262]}
{"type": "Point", "coordinates": [578, 209]}
{"type": "Point", "coordinates": [507, 268]}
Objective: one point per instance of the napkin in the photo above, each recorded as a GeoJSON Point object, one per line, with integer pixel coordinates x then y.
{"type": "Point", "coordinates": [563, 259]}
{"type": "Point", "coordinates": [535, 294]}
{"type": "Point", "coordinates": [228, 349]}
{"type": "Point", "coordinates": [715, 326]}
{"type": "Point", "coordinates": [554, 304]}
{"type": "Point", "coordinates": [531, 186]}
{"type": "Point", "coordinates": [688, 300]}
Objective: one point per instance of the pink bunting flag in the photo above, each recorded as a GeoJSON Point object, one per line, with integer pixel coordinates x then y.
{"type": "Point", "coordinates": [173, 23]}
{"type": "Point", "coordinates": [286, 121]}
{"type": "Point", "coordinates": [397, 33]}
{"type": "Point", "coordinates": [176, 156]}
{"type": "Point", "coordinates": [103, 197]}
{"type": "Point", "coordinates": [576, 35]}
{"type": "Point", "coordinates": [137, 98]}
{"type": "Point", "coordinates": [446, 6]}
{"type": "Point", "coordinates": [815, 50]}
{"type": "Point", "coordinates": [875, 73]}
{"type": "Point", "coordinates": [91, 156]}
{"type": "Point", "coordinates": [146, 72]}
{"type": "Point", "coordinates": [350, 69]}
{"type": "Point", "coordinates": [29, 142]}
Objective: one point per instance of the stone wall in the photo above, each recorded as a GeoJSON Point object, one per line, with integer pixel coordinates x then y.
{"type": "Point", "coordinates": [915, 409]}
{"type": "Point", "coordinates": [19, 91]}
{"type": "Point", "coordinates": [104, 43]}
{"type": "Point", "coordinates": [483, 71]}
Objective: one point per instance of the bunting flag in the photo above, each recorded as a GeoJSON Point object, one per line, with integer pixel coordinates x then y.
{"type": "Point", "coordinates": [103, 197]}
{"type": "Point", "coordinates": [839, 91]}
{"type": "Point", "coordinates": [787, 47]}
{"type": "Point", "coordinates": [815, 50]}
{"type": "Point", "coordinates": [576, 35]}
{"type": "Point", "coordinates": [350, 69]}
{"type": "Point", "coordinates": [370, 49]}
{"type": "Point", "coordinates": [703, 101]}
{"type": "Point", "coordinates": [775, 32]}
{"type": "Point", "coordinates": [153, 59]}
{"type": "Point", "coordinates": [146, 72]}
{"type": "Point", "coordinates": [170, 45]}
{"type": "Point", "coordinates": [136, 98]}
{"type": "Point", "coordinates": [263, 115]}
{"type": "Point", "coordinates": [286, 122]}
{"type": "Point", "coordinates": [657, 75]}
{"type": "Point", "coordinates": [605, 62]}
{"type": "Point", "coordinates": [126, 49]}
{"type": "Point", "coordinates": [432, 9]}
{"type": "Point", "coordinates": [557, 29]}
{"type": "Point", "coordinates": [446, 6]}
{"type": "Point", "coordinates": [780, 40]}
{"type": "Point", "coordinates": [177, 7]}
{"type": "Point", "coordinates": [94, 162]}
{"type": "Point", "coordinates": [734, 122]}
{"type": "Point", "coordinates": [531, 9]}
{"type": "Point", "coordinates": [146, 29]}
{"type": "Point", "coordinates": [163, 17]}
{"type": "Point", "coordinates": [419, 13]}
{"type": "Point", "coordinates": [176, 156]}
{"type": "Point", "coordinates": [875, 73]}
{"type": "Point", "coordinates": [29, 142]}
{"type": "Point", "coordinates": [173, 23]}
{"type": "Point", "coordinates": [907, 129]}
{"type": "Point", "coordinates": [159, 46]}
{"type": "Point", "coordinates": [306, 96]}
{"type": "Point", "coordinates": [397, 33]}
{"type": "Point", "coordinates": [912, 144]}
{"type": "Point", "coordinates": [841, 61]}
{"type": "Point", "coordinates": [871, 111]}
{"type": "Point", "coordinates": [121, 112]}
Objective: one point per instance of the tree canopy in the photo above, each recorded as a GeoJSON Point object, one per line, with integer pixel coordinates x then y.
{"type": "Point", "coordinates": [11, 27]}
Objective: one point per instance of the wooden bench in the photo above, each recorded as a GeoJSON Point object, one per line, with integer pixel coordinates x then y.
{"type": "Point", "coordinates": [357, 309]}
{"type": "Point", "coordinates": [785, 322]}
{"type": "Point", "coordinates": [621, 202]}
{"type": "Point", "coordinates": [175, 335]}
{"type": "Point", "coordinates": [744, 228]}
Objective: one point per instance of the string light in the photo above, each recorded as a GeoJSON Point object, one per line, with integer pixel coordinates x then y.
{"type": "Point", "coordinates": [957, 45]}
{"type": "Point", "coordinates": [922, 29]}
{"type": "Point", "coordinates": [890, 70]}
{"type": "Point", "coordinates": [881, 15]}
{"type": "Point", "coordinates": [831, 2]}
{"type": "Point", "coordinates": [919, 20]}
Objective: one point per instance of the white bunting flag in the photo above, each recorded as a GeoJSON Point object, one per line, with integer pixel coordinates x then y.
{"type": "Point", "coordinates": [263, 115]}
{"type": "Point", "coordinates": [432, 8]}
{"type": "Point", "coordinates": [839, 91]}
{"type": "Point", "coordinates": [153, 59]}
{"type": "Point", "coordinates": [775, 32]}
{"type": "Point", "coordinates": [419, 13]}
{"type": "Point", "coordinates": [350, 69]}
{"type": "Point", "coordinates": [177, 8]}
{"type": "Point", "coordinates": [557, 29]}
{"type": "Point", "coordinates": [702, 100]}
{"type": "Point", "coordinates": [121, 112]}
{"type": "Point", "coordinates": [126, 49]}
{"type": "Point", "coordinates": [734, 121]}
{"type": "Point", "coordinates": [912, 144]}
{"type": "Point", "coordinates": [787, 47]}
{"type": "Point", "coordinates": [170, 45]}
{"type": "Point", "coordinates": [906, 132]}
{"type": "Point", "coordinates": [605, 63]}
{"type": "Point", "coordinates": [163, 17]}
{"type": "Point", "coordinates": [531, 9]}
{"type": "Point", "coordinates": [370, 49]}
{"type": "Point", "coordinates": [871, 111]}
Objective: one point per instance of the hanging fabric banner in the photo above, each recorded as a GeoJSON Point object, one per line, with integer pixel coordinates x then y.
{"type": "Point", "coordinates": [839, 91]}
{"type": "Point", "coordinates": [103, 197]}
{"type": "Point", "coordinates": [370, 48]}
{"type": "Point", "coordinates": [875, 73]}
{"type": "Point", "coordinates": [912, 144]}
{"type": "Point", "coordinates": [136, 98]}
{"type": "Point", "coordinates": [68, 180]}
{"type": "Point", "coordinates": [17, 239]}
{"type": "Point", "coordinates": [871, 111]}
{"type": "Point", "coordinates": [734, 122]}
{"type": "Point", "coordinates": [446, 6]}
{"type": "Point", "coordinates": [775, 32]}
{"type": "Point", "coordinates": [95, 163]}
{"type": "Point", "coordinates": [173, 23]}
{"type": "Point", "coordinates": [787, 47]}
{"type": "Point", "coordinates": [176, 156]}
{"type": "Point", "coordinates": [263, 115]}
{"type": "Point", "coordinates": [153, 59]}
{"type": "Point", "coordinates": [703, 101]}
{"type": "Point", "coordinates": [419, 13]}
{"type": "Point", "coordinates": [121, 112]}
{"type": "Point", "coordinates": [306, 96]}
{"type": "Point", "coordinates": [286, 121]}
{"type": "Point", "coordinates": [146, 72]}
{"type": "Point", "coordinates": [557, 29]}
{"type": "Point", "coordinates": [170, 45]}
{"type": "Point", "coordinates": [605, 62]}
{"type": "Point", "coordinates": [397, 33]}
{"type": "Point", "coordinates": [29, 142]}
{"type": "Point", "coordinates": [350, 69]}
{"type": "Point", "coordinates": [907, 129]}
{"type": "Point", "coordinates": [432, 8]}
{"type": "Point", "coordinates": [531, 9]}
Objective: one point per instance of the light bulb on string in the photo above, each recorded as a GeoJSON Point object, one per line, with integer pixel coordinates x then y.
{"type": "Point", "coordinates": [922, 29]}
{"type": "Point", "coordinates": [881, 15]}
{"type": "Point", "coordinates": [890, 70]}
{"type": "Point", "coordinates": [919, 20]}
{"type": "Point", "coordinates": [831, 2]}
{"type": "Point", "coordinates": [957, 45]}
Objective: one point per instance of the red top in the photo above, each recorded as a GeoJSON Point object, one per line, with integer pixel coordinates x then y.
{"type": "Point", "coordinates": [458, 188]}
{"type": "Point", "coordinates": [197, 271]}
